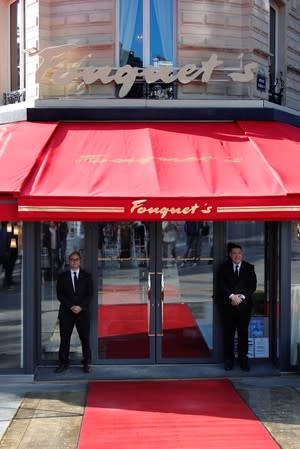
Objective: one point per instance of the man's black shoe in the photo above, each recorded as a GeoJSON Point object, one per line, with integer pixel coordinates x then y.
{"type": "Point", "coordinates": [61, 368]}
{"type": "Point", "coordinates": [244, 364]}
{"type": "Point", "coordinates": [228, 365]}
{"type": "Point", "coordinates": [86, 368]}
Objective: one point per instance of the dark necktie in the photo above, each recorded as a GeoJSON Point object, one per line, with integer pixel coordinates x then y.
{"type": "Point", "coordinates": [236, 272]}
{"type": "Point", "coordinates": [75, 280]}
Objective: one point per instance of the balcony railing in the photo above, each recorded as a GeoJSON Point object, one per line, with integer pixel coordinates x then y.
{"type": "Point", "coordinates": [15, 96]}
{"type": "Point", "coordinates": [155, 91]}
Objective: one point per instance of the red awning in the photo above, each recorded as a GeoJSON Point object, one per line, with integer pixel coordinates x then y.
{"type": "Point", "coordinates": [279, 144]}
{"type": "Point", "coordinates": [154, 171]}
{"type": "Point", "coordinates": [21, 145]}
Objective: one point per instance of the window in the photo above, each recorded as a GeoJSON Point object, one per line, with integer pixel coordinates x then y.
{"type": "Point", "coordinates": [273, 43]}
{"type": "Point", "coordinates": [276, 79]}
{"type": "Point", "coordinates": [295, 294]}
{"type": "Point", "coordinates": [16, 35]}
{"type": "Point", "coordinates": [14, 47]}
{"type": "Point", "coordinates": [146, 32]}
{"type": "Point", "coordinates": [70, 236]}
{"type": "Point", "coordinates": [146, 38]}
{"type": "Point", "coordinates": [11, 295]}
{"type": "Point", "coordinates": [251, 236]}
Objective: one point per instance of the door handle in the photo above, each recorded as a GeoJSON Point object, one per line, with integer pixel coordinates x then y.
{"type": "Point", "coordinates": [162, 288]}
{"type": "Point", "coordinates": [160, 306]}
{"type": "Point", "coordinates": [150, 305]}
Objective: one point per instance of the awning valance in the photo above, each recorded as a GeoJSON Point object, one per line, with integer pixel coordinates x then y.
{"type": "Point", "coordinates": [155, 171]}
{"type": "Point", "coordinates": [8, 208]}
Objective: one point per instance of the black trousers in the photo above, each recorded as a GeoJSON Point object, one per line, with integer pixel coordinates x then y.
{"type": "Point", "coordinates": [67, 321]}
{"type": "Point", "coordinates": [236, 318]}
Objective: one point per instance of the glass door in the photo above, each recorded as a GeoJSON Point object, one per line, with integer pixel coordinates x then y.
{"type": "Point", "coordinates": [155, 288]}
{"type": "Point", "coordinates": [124, 322]}
{"type": "Point", "coordinates": [187, 291]}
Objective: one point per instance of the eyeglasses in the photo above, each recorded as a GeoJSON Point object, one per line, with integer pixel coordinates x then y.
{"type": "Point", "coordinates": [74, 259]}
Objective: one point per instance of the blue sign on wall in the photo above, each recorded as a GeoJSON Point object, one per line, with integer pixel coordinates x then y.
{"type": "Point", "coordinates": [261, 79]}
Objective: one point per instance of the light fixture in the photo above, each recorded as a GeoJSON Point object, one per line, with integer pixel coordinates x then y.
{"type": "Point", "coordinates": [13, 243]}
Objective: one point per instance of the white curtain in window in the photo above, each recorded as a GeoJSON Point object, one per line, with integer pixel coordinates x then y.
{"type": "Point", "coordinates": [128, 12]}
{"type": "Point", "coordinates": [164, 14]}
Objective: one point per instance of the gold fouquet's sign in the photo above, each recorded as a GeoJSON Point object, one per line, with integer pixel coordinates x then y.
{"type": "Point", "coordinates": [62, 66]}
{"type": "Point", "coordinates": [140, 207]}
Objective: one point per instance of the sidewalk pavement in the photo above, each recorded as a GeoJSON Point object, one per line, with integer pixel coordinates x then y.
{"type": "Point", "coordinates": [48, 415]}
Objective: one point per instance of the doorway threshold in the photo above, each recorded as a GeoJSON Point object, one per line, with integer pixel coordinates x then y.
{"type": "Point", "coordinates": [150, 372]}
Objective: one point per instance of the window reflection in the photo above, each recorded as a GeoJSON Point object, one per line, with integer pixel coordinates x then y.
{"type": "Point", "coordinates": [295, 292]}
{"type": "Point", "coordinates": [141, 46]}
{"type": "Point", "coordinates": [123, 260]}
{"type": "Point", "coordinates": [250, 235]}
{"type": "Point", "coordinates": [11, 252]}
{"type": "Point", "coordinates": [54, 243]}
{"type": "Point", "coordinates": [187, 249]}
{"type": "Point", "coordinates": [58, 240]}
{"type": "Point", "coordinates": [146, 31]}
{"type": "Point", "coordinates": [198, 242]}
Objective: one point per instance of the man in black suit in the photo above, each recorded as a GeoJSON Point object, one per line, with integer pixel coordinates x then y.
{"type": "Point", "coordinates": [237, 283]}
{"type": "Point", "coordinates": [74, 290]}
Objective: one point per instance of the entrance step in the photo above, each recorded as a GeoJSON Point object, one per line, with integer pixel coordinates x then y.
{"type": "Point", "coordinates": [143, 372]}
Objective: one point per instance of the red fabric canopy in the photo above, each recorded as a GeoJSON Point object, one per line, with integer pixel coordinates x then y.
{"type": "Point", "coordinates": [279, 144]}
{"type": "Point", "coordinates": [154, 171]}
{"type": "Point", "coordinates": [21, 145]}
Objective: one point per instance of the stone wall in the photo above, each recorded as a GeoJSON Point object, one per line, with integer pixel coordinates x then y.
{"type": "Point", "coordinates": [88, 25]}
{"type": "Point", "coordinates": [236, 30]}
{"type": "Point", "coordinates": [222, 28]}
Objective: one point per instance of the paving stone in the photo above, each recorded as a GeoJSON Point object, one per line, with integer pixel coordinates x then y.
{"type": "Point", "coordinates": [278, 408]}
{"type": "Point", "coordinates": [50, 416]}
{"type": "Point", "coordinates": [47, 420]}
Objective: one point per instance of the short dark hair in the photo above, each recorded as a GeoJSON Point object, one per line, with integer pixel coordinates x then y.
{"type": "Point", "coordinates": [232, 245]}
{"type": "Point", "coordinates": [75, 253]}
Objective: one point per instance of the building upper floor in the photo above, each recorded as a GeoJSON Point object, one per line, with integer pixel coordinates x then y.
{"type": "Point", "coordinates": [150, 50]}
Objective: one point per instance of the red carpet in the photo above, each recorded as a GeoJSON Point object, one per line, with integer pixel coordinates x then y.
{"type": "Point", "coordinates": [199, 414]}
{"type": "Point", "coordinates": [132, 293]}
{"type": "Point", "coordinates": [123, 332]}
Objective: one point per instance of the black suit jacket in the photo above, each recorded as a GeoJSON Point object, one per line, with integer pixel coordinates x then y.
{"type": "Point", "coordinates": [245, 285]}
{"type": "Point", "coordinates": [65, 292]}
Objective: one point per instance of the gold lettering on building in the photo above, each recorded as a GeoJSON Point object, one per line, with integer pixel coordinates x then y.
{"type": "Point", "coordinates": [63, 64]}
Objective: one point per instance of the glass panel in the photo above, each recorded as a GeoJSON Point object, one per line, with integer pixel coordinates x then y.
{"type": "Point", "coordinates": [15, 45]}
{"type": "Point", "coordinates": [250, 235]}
{"type": "Point", "coordinates": [134, 39]}
{"type": "Point", "coordinates": [11, 325]}
{"type": "Point", "coordinates": [295, 294]}
{"type": "Point", "coordinates": [188, 289]}
{"type": "Point", "coordinates": [161, 32]}
{"type": "Point", "coordinates": [58, 240]}
{"type": "Point", "coordinates": [131, 32]}
{"type": "Point", "coordinates": [272, 67]}
{"type": "Point", "coordinates": [123, 290]}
